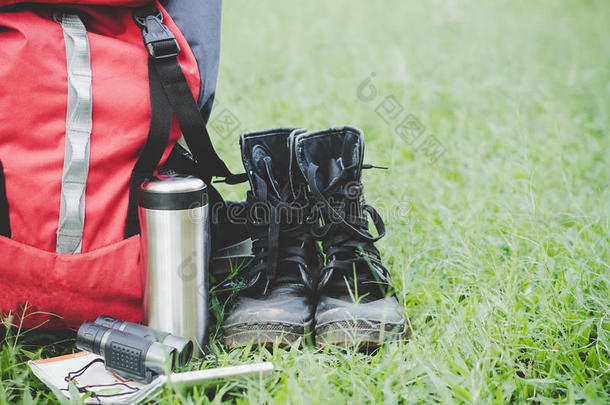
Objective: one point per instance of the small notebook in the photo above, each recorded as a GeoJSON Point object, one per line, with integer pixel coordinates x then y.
{"type": "Point", "coordinates": [92, 379]}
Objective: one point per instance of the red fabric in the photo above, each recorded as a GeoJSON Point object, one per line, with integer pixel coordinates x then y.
{"type": "Point", "coordinates": [32, 140]}
{"type": "Point", "coordinates": [73, 287]}
{"type": "Point", "coordinates": [81, 2]}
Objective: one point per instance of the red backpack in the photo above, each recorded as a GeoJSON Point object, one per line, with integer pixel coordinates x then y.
{"type": "Point", "coordinates": [95, 96]}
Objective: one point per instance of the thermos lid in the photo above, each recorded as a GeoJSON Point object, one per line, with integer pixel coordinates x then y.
{"type": "Point", "coordinates": [173, 192]}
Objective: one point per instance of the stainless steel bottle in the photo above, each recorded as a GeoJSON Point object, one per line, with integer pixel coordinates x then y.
{"type": "Point", "coordinates": [174, 224]}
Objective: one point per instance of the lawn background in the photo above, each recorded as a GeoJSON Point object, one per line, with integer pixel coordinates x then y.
{"type": "Point", "coordinates": [499, 246]}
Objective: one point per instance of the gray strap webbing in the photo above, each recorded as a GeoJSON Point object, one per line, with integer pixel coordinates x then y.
{"type": "Point", "coordinates": [78, 134]}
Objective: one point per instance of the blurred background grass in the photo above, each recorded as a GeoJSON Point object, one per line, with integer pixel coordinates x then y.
{"type": "Point", "coordinates": [499, 247]}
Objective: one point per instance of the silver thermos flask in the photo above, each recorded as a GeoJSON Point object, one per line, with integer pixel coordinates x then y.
{"type": "Point", "coordinates": [174, 223]}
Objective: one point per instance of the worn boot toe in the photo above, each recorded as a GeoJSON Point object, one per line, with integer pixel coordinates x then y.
{"type": "Point", "coordinates": [341, 320]}
{"type": "Point", "coordinates": [281, 315]}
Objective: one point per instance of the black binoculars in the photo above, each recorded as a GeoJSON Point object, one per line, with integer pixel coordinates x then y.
{"type": "Point", "coordinates": [132, 350]}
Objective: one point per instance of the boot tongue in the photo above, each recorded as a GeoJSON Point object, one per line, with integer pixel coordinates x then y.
{"type": "Point", "coordinates": [265, 169]}
{"type": "Point", "coordinates": [343, 177]}
{"type": "Point", "coordinates": [333, 154]}
{"type": "Point", "coordinates": [335, 168]}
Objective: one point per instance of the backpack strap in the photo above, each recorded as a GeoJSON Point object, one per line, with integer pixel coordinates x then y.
{"type": "Point", "coordinates": [163, 49]}
{"type": "Point", "coordinates": [170, 90]}
{"type": "Point", "coordinates": [5, 226]}
{"type": "Point", "coordinates": [158, 136]}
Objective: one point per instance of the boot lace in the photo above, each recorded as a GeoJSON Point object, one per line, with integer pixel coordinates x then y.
{"type": "Point", "coordinates": [343, 230]}
{"type": "Point", "coordinates": [280, 235]}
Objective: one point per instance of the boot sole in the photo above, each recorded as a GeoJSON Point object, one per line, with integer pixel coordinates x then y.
{"type": "Point", "coordinates": [359, 333]}
{"type": "Point", "coordinates": [264, 334]}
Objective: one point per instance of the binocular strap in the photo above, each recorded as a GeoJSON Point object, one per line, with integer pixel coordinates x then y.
{"type": "Point", "coordinates": [87, 388]}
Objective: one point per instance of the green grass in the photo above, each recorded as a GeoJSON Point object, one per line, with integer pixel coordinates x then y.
{"type": "Point", "coordinates": [499, 249]}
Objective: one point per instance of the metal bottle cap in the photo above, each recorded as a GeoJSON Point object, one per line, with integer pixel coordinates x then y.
{"type": "Point", "coordinates": [172, 192]}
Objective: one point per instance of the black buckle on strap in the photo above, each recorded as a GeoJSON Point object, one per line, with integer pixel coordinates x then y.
{"type": "Point", "coordinates": [159, 40]}
{"type": "Point", "coordinates": [233, 179]}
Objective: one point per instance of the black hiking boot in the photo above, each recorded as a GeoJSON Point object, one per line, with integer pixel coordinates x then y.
{"type": "Point", "coordinates": [356, 301]}
{"type": "Point", "coordinates": [277, 299]}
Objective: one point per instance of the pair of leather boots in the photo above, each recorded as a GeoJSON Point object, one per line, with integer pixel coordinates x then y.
{"type": "Point", "coordinates": [316, 272]}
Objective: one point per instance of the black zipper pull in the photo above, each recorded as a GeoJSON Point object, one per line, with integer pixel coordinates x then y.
{"type": "Point", "coordinates": [370, 166]}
